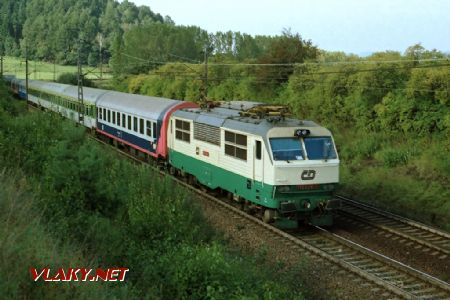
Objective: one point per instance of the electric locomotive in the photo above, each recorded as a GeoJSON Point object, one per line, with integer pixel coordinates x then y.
{"type": "Point", "coordinates": [284, 169]}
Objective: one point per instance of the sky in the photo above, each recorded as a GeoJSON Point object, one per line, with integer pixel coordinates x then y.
{"type": "Point", "coordinates": [352, 26]}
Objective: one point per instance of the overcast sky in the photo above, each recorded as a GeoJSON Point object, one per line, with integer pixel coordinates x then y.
{"type": "Point", "coordinates": [356, 26]}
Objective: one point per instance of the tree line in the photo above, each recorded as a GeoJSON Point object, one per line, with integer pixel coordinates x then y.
{"type": "Point", "coordinates": [132, 39]}
{"type": "Point", "coordinates": [50, 30]}
{"type": "Point", "coordinates": [389, 90]}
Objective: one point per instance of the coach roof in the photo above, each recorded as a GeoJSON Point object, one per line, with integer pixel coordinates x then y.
{"type": "Point", "coordinates": [49, 87]}
{"type": "Point", "coordinates": [143, 106]}
{"type": "Point", "coordinates": [90, 95]}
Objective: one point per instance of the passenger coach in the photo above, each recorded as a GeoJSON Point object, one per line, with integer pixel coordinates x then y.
{"type": "Point", "coordinates": [137, 121]}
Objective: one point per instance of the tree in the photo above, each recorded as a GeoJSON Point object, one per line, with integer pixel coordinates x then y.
{"type": "Point", "coordinates": [288, 48]}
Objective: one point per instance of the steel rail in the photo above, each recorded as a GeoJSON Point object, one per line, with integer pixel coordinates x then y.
{"type": "Point", "coordinates": [427, 237]}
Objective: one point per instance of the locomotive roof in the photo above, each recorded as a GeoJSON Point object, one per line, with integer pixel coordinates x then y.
{"type": "Point", "coordinates": [143, 106]}
{"type": "Point", "coordinates": [229, 118]}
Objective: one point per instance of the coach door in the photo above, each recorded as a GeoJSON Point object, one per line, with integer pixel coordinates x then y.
{"type": "Point", "coordinates": [258, 161]}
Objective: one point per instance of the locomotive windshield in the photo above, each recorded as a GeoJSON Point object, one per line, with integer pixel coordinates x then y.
{"type": "Point", "coordinates": [319, 148]}
{"type": "Point", "coordinates": [316, 148]}
{"type": "Point", "coordinates": [286, 149]}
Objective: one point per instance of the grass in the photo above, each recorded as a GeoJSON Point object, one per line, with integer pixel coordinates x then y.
{"type": "Point", "coordinates": [26, 242]}
{"type": "Point", "coordinates": [39, 70]}
{"type": "Point", "coordinates": [408, 175]}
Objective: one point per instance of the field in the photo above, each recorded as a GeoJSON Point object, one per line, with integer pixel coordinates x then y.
{"type": "Point", "coordinates": [39, 70]}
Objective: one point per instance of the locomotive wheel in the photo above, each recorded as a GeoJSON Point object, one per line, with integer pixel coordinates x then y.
{"type": "Point", "coordinates": [245, 206]}
{"type": "Point", "coordinates": [190, 179]}
{"type": "Point", "coordinates": [172, 170]}
{"type": "Point", "coordinates": [269, 215]}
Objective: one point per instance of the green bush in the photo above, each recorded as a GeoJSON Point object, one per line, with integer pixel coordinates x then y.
{"type": "Point", "coordinates": [392, 157]}
{"type": "Point", "coordinates": [394, 189]}
{"type": "Point", "coordinates": [72, 79]}
{"type": "Point", "coordinates": [26, 242]}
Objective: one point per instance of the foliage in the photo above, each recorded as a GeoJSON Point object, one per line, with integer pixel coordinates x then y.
{"type": "Point", "coordinates": [133, 39]}
{"type": "Point", "coordinates": [26, 242]}
{"type": "Point", "coordinates": [144, 47]}
{"type": "Point", "coordinates": [288, 48]}
{"type": "Point", "coordinates": [50, 29]}
{"type": "Point", "coordinates": [72, 78]}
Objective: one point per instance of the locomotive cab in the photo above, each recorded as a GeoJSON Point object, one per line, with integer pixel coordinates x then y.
{"type": "Point", "coordinates": [304, 173]}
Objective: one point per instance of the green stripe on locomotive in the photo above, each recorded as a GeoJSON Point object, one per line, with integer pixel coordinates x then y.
{"type": "Point", "coordinates": [263, 194]}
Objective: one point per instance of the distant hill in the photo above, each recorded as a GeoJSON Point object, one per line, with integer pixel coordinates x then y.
{"type": "Point", "coordinates": [51, 28]}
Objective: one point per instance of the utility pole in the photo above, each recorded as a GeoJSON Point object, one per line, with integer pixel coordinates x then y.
{"type": "Point", "coordinates": [206, 72]}
{"type": "Point", "coordinates": [100, 42]}
{"type": "Point", "coordinates": [80, 86]}
{"type": "Point", "coordinates": [1, 60]}
{"type": "Point", "coordinates": [204, 87]}
{"type": "Point", "coordinates": [26, 74]}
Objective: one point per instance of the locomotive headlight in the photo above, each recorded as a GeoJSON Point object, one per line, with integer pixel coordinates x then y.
{"type": "Point", "coordinates": [306, 204]}
{"type": "Point", "coordinates": [283, 189]}
{"type": "Point", "coordinates": [328, 187]}
{"type": "Point", "coordinates": [302, 132]}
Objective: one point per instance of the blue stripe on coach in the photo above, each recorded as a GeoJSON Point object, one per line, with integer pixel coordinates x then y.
{"type": "Point", "coordinates": [130, 138]}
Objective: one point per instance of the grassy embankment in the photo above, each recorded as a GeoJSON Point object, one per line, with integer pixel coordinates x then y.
{"type": "Point", "coordinates": [67, 202]}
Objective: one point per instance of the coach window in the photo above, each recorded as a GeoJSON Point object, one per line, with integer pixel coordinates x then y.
{"type": "Point", "coordinates": [99, 113]}
{"type": "Point", "coordinates": [154, 129]}
{"type": "Point", "coordinates": [236, 145]}
{"type": "Point", "coordinates": [113, 117]}
{"type": "Point", "coordinates": [141, 126]}
{"type": "Point", "coordinates": [149, 128]}
{"type": "Point", "coordinates": [118, 119]}
{"type": "Point", "coordinates": [129, 122]}
{"type": "Point", "coordinates": [123, 121]}
{"type": "Point", "coordinates": [104, 114]}
{"type": "Point", "coordinates": [135, 124]}
{"type": "Point", "coordinates": [258, 149]}
{"type": "Point", "coordinates": [183, 130]}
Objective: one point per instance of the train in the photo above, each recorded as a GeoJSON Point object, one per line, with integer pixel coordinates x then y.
{"type": "Point", "coordinates": [282, 169]}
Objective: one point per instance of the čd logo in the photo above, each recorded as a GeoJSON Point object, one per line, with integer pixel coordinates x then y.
{"type": "Point", "coordinates": [308, 174]}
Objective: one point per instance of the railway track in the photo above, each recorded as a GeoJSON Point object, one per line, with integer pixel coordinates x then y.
{"type": "Point", "coordinates": [431, 241]}
{"type": "Point", "coordinates": [390, 279]}
{"type": "Point", "coordinates": [402, 280]}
